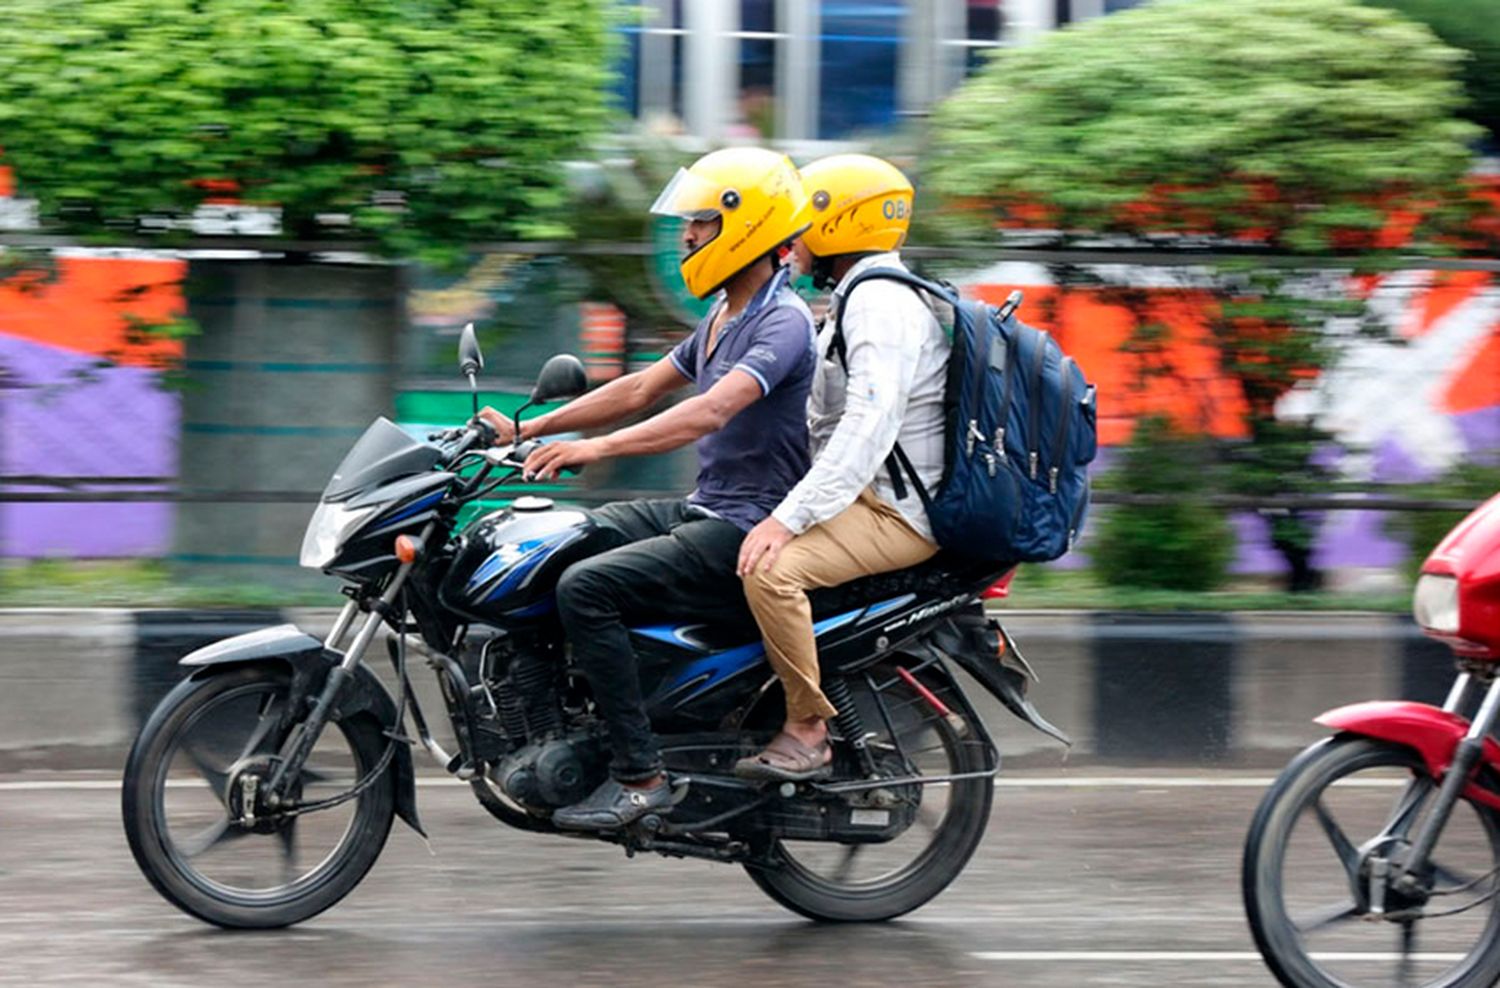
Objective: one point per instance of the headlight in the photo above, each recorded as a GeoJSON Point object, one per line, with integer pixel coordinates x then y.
{"type": "Point", "coordinates": [1435, 604]}
{"type": "Point", "coordinates": [330, 525]}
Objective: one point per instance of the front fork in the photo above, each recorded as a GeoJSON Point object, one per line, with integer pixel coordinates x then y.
{"type": "Point", "coordinates": [1465, 759]}
{"type": "Point", "coordinates": [305, 734]}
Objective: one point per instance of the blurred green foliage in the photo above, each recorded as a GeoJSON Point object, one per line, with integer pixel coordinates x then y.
{"type": "Point", "coordinates": [1474, 26]}
{"type": "Point", "coordinates": [1289, 126]}
{"type": "Point", "coordinates": [1185, 544]}
{"type": "Point", "coordinates": [1423, 530]}
{"type": "Point", "coordinates": [428, 123]}
{"type": "Point", "coordinates": [1285, 118]}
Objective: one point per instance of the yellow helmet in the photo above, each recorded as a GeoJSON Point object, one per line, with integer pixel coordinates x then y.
{"type": "Point", "coordinates": [757, 192]}
{"type": "Point", "coordinates": [859, 203]}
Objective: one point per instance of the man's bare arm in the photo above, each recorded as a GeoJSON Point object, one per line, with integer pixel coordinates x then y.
{"type": "Point", "coordinates": [677, 426]}
{"type": "Point", "coordinates": [603, 406]}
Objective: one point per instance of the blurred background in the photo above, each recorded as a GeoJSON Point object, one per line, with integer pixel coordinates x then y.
{"type": "Point", "coordinates": [234, 233]}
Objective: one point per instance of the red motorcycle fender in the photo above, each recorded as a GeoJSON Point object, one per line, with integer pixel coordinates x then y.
{"type": "Point", "coordinates": [1433, 733]}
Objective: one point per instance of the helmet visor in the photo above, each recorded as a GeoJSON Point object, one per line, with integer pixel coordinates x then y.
{"type": "Point", "coordinates": [689, 197]}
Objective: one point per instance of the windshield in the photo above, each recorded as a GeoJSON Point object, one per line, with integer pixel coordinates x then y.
{"type": "Point", "coordinates": [384, 453]}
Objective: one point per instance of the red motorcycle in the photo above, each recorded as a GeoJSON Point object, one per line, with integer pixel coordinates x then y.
{"type": "Point", "coordinates": [1375, 857]}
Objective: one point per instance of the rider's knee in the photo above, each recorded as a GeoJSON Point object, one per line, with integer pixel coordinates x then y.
{"type": "Point", "coordinates": [582, 586]}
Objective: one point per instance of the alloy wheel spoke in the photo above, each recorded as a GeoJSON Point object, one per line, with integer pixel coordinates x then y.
{"type": "Point", "coordinates": [1319, 919]}
{"type": "Point", "coordinates": [846, 864]}
{"type": "Point", "coordinates": [267, 717]}
{"type": "Point", "coordinates": [1405, 813]}
{"type": "Point", "coordinates": [216, 833]}
{"type": "Point", "coordinates": [217, 778]}
{"type": "Point", "coordinates": [287, 838]}
{"type": "Point", "coordinates": [1408, 943]}
{"type": "Point", "coordinates": [1348, 854]}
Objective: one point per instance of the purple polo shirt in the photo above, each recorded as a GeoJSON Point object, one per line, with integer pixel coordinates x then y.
{"type": "Point", "coordinates": [747, 467]}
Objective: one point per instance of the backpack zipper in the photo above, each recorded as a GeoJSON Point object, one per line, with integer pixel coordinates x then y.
{"type": "Point", "coordinates": [976, 387]}
{"type": "Point", "coordinates": [1005, 395]}
{"type": "Point", "coordinates": [1064, 419]}
{"type": "Point", "coordinates": [1038, 366]}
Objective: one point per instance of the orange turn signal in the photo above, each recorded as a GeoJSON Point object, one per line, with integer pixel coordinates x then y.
{"type": "Point", "coordinates": [407, 548]}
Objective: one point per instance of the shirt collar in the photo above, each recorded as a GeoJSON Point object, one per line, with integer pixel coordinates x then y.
{"type": "Point", "coordinates": [762, 297]}
{"type": "Point", "coordinates": [885, 259]}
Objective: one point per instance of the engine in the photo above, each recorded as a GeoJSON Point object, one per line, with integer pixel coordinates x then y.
{"type": "Point", "coordinates": [549, 774]}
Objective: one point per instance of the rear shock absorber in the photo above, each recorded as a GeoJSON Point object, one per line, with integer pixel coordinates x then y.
{"type": "Point", "coordinates": [850, 723]}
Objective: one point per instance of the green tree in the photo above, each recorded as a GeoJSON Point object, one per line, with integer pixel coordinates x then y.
{"type": "Point", "coordinates": [1285, 119]}
{"type": "Point", "coordinates": [1474, 26]}
{"type": "Point", "coordinates": [1292, 127]}
{"type": "Point", "coordinates": [425, 123]}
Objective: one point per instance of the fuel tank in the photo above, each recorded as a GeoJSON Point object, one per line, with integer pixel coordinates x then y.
{"type": "Point", "coordinates": [509, 561]}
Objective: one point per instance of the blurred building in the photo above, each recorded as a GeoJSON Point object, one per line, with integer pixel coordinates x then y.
{"type": "Point", "coordinates": [801, 70]}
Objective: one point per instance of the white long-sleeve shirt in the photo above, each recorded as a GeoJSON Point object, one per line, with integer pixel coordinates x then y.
{"type": "Point", "coordinates": [897, 356]}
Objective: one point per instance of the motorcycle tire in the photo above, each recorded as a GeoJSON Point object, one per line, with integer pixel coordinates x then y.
{"type": "Point", "coordinates": [803, 890]}
{"type": "Point", "coordinates": [1271, 857]}
{"type": "Point", "coordinates": [174, 873]}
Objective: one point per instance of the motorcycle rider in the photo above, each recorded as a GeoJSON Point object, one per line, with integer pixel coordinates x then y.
{"type": "Point", "coordinates": [846, 518]}
{"type": "Point", "coordinates": [752, 360]}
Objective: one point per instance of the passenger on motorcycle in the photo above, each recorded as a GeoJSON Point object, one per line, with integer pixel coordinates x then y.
{"type": "Point", "coordinates": [844, 519]}
{"type": "Point", "coordinates": [752, 360]}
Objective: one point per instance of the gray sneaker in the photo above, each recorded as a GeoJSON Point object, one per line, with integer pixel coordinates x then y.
{"type": "Point", "coordinates": [613, 806]}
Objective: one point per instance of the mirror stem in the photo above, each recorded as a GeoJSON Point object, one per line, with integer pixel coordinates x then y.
{"type": "Point", "coordinates": [516, 420]}
{"type": "Point", "coordinates": [474, 393]}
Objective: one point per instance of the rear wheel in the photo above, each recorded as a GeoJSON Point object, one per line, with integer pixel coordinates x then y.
{"type": "Point", "coordinates": [1341, 815]}
{"type": "Point", "coordinates": [867, 882]}
{"type": "Point", "coordinates": [202, 755]}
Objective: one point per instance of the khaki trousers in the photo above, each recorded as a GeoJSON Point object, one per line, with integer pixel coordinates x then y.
{"type": "Point", "coordinates": [866, 538]}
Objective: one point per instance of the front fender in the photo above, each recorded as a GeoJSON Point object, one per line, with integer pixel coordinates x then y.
{"type": "Point", "coordinates": [309, 663]}
{"type": "Point", "coordinates": [1434, 734]}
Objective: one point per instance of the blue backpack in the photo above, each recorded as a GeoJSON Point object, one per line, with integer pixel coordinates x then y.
{"type": "Point", "coordinates": [1020, 434]}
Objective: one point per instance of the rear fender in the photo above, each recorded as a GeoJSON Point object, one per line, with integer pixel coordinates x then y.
{"type": "Point", "coordinates": [1434, 734]}
{"type": "Point", "coordinates": [309, 663]}
{"type": "Point", "coordinates": [983, 649]}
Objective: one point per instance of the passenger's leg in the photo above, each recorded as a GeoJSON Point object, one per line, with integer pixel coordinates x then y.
{"type": "Point", "coordinates": [868, 537]}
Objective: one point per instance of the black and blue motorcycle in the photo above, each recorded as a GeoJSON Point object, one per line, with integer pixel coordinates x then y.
{"type": "Point", "coordinates": [263, 787]}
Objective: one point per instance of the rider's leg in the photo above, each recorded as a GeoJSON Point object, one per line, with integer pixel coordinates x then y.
{"type": "Point", "coordinates": [866, 538]}
{"type": "Point", "coordinates": [683, 574]}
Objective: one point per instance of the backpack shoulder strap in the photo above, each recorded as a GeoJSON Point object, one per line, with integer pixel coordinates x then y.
{"type": "Point", "coordinates": [946, 292]}
{"type": "Point", "coordinates": [897, 461]}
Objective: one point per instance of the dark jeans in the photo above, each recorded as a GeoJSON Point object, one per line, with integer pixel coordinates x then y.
{"type": "Point", "coordinates": [661, 559]}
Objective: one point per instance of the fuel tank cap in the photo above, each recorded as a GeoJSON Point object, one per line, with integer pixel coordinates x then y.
{"type": "Point", "coordinates": [530, 502]}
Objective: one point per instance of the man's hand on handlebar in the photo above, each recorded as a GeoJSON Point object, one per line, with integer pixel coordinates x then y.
{"type": "Point", "coordinates": [547, 461]}
{"type": "Point", "coordinates": [502, 427]}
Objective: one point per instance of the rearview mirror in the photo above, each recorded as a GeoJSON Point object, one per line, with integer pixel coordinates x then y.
{"type": "Point", "coordinates": [562, 377]}
{"type": "Point", "coordinates": [470, 360]}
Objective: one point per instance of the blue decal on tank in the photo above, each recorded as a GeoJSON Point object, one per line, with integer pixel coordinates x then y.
{"type": "Point", "coordinates": [521, 558]}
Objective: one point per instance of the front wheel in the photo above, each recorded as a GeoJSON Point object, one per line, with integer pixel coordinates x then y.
{"type": "Point", "coordinates": [198, 763]}
{"type": "Point", "coordinates": [1341, 817]}
{"type": "Point", "coordinates": [869, 882]}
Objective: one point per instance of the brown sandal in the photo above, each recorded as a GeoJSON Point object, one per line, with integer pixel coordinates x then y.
{"type": "Point", "coordinates": [786, 759]}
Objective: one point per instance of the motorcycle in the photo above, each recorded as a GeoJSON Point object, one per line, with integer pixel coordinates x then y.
{"type": "Point", "coordinates": [1375, 856]}
{"type": "Point", "coordinates": [262, 788]}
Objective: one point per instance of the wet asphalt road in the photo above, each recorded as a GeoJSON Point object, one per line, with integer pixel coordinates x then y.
{"type": "Point", "coordinates": [1068, 876]}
